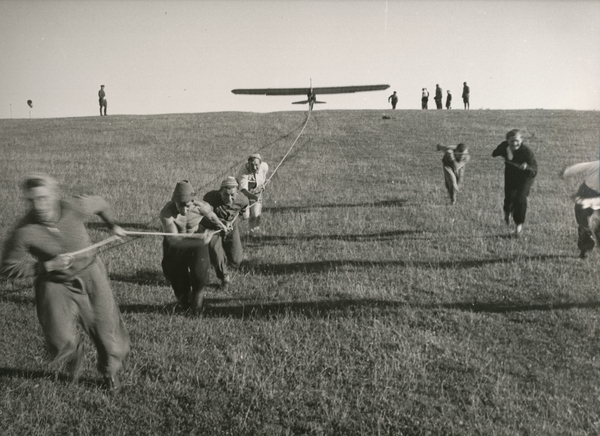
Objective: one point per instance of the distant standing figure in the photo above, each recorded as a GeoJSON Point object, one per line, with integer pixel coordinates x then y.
{"type": "Point", "coordinates": [102, 100]}
{"type": "Point", "coordinates": [448, 100]}
{"type": "Point", "coordinates": [229, 205]}
{"type": "Point", "coordinates": [424, 98]}
{"type": "Point", "coordinates": [438, 97]}
{"type": "Point", "coordinates": [394, 99]}
{"type": "Point", "coordinates": [252, 179]}
{"type": "Point", "coordinates": [70, 288]}
{"type": "Point", "coordinates": [454, 161]}
{"type": "Point", "coordinates": [520, 168]}
{"type": "Point", "coordinates": [587, 204]}
{"type": "Point", "coordinates": [465, 95]}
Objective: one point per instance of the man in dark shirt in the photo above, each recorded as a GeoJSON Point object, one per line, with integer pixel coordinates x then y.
{"type": "Point", "coordinates": [520, 169]}
{"type": "Point", "coordinates": [466, 94]}
{"type": "Point", "coordinates": [448, 100]}
{"type": "Point", "coordinates": [228, 204]}
{"type": "Point", "coordinates": [438, 97]}
{"type": "Point", "coordinates": [70, 287]}
{"type": "Point", "coordinates": [394, 99]}
{"type": "Point", "coordinates": [102, 100]}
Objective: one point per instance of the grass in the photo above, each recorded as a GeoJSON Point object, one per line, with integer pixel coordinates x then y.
{"type": "Point", "coordinates": [370, 305]}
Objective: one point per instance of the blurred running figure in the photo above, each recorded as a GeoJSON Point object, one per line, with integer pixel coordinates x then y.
{"type": "Point", "coordinates": [229, 205]}
{"type": "Point", "coordinates": [252, 179]}
{"type": "Point", "coordinates": [102, 100]}
{"type": "Point", "coordinates": [68, 289]}
{"type": "Point", "coordinates": [454, 161]}
{"type": "Point", "coordinates": [587, 204]}
{"type": "Point", "coordinates": [186, 260]}
{"type": "Point", "coordinates": [520, 169]}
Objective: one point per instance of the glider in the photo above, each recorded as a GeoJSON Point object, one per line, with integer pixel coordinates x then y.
{"type": "Point", "coordinates": [311, 93]}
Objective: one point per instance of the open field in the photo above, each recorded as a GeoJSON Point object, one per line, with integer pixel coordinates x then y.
{"type": "Point", "coordinates": [370, 305]}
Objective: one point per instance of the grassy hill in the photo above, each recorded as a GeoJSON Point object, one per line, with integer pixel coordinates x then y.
{"type": "Point", "coordinates": [369, 306]}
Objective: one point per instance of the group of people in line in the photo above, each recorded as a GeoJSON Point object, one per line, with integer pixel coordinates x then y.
{"type": "Point", "coordinates": [51, 243]}
{"type": "Point", "coordinates": [466, 93]}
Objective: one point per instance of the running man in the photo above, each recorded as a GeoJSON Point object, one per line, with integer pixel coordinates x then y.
{"type": "Point", "coordinates": [454, 161]}
{"type": "Point", "coordinates": [520, 169]}
{"type": "Point", "coordinates": [68, 289]}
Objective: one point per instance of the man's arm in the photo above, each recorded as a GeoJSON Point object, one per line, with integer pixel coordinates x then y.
{"type": "Point", "coordinates": [500, 150]}
{"type": "Point", "coordinates": [206, 210]}
{"type": "Point", "coordinates": [16, 260]}
{"type": "Point", "coordinates": [95, 205]}
{"type": "Point", "coordinates": [530, 164]}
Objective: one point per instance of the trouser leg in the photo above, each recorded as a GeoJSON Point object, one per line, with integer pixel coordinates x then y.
{"type": "Point", "coordinates": [232, 245]}
{"type": "Point", "coordinates": [451, 182]}
{"type": "Point", "coordinates": [588, 222]}
{"type": "Point", "coordinates": [199, 263]}
{"type": "Point", "coordinates": [520, 202]}
{"type": "Point", "coordinates": [57, 313]}
{"type": "Point", "coordinates": [175, 268]}
{"type": "Point", "coordinates": [101, 318]}
{"type": "Point", "coordinates": [217, 255]}
{"type": "Point", "coordinates": [255, 212]}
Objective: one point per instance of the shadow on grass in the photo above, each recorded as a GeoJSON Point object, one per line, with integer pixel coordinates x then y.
{"type": "Point", "coordinates": [323, 308]}
{"type": "Point", "coordinates": [235, 307]}
{"type": "Point", "coordinates": [30, 374]}
{"type": "Point", "coordinates": [380, 236]}
{"type": "Point", "coordinates": [48, 375]}
{"type": "Point", "coordinates": [142, 277]}
{"type": "Point", "coordinates": [318, 267]}
{"type": "Point", "coordinates": [385, 203]}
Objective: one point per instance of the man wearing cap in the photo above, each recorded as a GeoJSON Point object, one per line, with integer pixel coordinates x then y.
{"type": "Point", "coordinates": [587, 204]}
{"type": "Point", "coordinates": [252, 179]}
{"type": "Point", "coordinates": [102, 100]}
{"type": "Point", "coordinates": [186, 260]}
{"type": "Point", "coordinates": [69, 288]}
{"type": "Point", "coordinates": [229, 205]}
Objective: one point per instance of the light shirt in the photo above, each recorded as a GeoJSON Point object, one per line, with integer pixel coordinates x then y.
{"type": "Point", "coordinates": [252, 181]}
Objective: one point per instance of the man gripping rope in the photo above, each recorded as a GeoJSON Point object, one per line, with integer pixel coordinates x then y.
{"type": "Point", "coordinates": [186, 260]}
{"type": "Point", "coordinates": [229, 205]}
{"type": "Point", "coordinates": [68, 288]}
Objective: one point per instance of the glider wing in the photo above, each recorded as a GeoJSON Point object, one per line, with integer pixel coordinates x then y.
{"type": "Point", "coordinates": [305, 91]}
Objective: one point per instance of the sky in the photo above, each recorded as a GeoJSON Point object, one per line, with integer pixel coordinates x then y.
{"type": "Point", "coordinates": [160, 57]}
